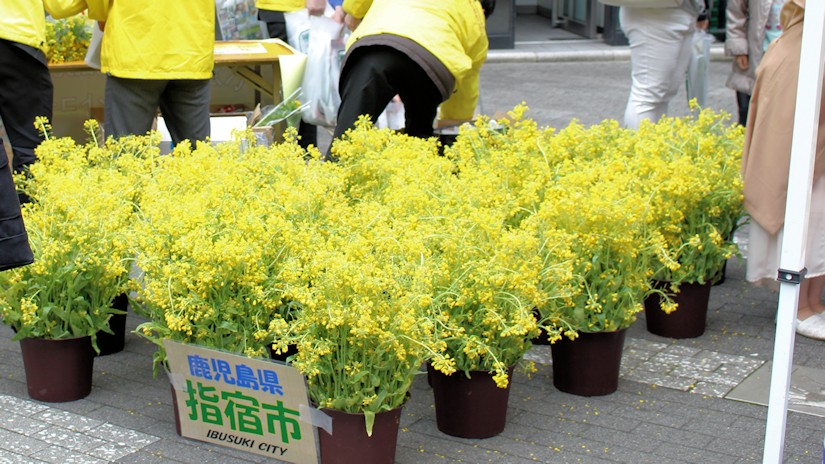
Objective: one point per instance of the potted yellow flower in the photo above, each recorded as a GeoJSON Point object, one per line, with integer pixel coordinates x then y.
{"type": "Point", "coordinates": [77, 224]}
{"type": "Point", "coordinates": [693, 166]}
{"type": "Point", "coordinates": [363, 331]}
{"type": "Point", "coordinates": [590, 221]}
{"type": "Point", "coordinates": [219, 229]}
{"type": "Point", "coordinates": [605, 225]}
{"type": "Point", "coordinates": [485, 275]}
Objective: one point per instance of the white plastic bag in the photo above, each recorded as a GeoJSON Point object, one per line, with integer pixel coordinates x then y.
{"type": "Point", "coordinates": [93, 53]}
{"type": "Point", "coordinates": [297, 29]}
{"type": "Point", "coordinates": [698, 73]}
{"type": "Point", "coordinates": [323, 41]}
{"type": "Point", "coordinates": [325, 52]}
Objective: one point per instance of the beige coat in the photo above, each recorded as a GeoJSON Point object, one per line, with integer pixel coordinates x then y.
{"type": "Point", "coordinates": [766, 157]}
{"type": "Point", "coordinates": [744, 34]}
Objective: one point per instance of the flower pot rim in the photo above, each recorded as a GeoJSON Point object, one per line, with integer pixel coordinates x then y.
{"type": "Point", "coordinates": [56, 339]}
{"type": "Point", "coordinates": [597, 332]}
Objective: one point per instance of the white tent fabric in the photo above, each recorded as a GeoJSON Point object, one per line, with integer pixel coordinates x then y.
{"type": "Point", "coordinates": [797, 210]}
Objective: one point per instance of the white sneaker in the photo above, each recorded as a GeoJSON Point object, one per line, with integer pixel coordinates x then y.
{"type": "Point", "coordinates": [812, 327]}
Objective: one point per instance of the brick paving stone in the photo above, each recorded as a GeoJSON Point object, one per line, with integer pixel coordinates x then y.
{"type": "Point", "coordinates": [7, 457]}
{"type": "Point", "coordinates": [66, 438]}
{"type": "Point", "coordinates": [20, 443]}
{"type": "Point", "coordinates": [56, 455]}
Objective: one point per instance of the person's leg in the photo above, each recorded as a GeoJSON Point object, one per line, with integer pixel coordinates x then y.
{"type": "Point", "coordinates": [275, 23]}
{"type": "Point", "coordinates": [365, 86]}
{"type": "Point", "coordinates": [26, 93]}
{"type": "Point", "coordinates": [421, 99]}
{"type": "Point", "coordinates": [809, 320]}
{"type": "Point", "coordinates": [659, 52]}
{"type": "Point", "coordinates": [743, 102]}
{"type": "Point", "coordinates": [814, 294]}
{"type": "Point", "coordinates": [130, 105]}
{"type": "Point", "coordinates": [185, 108]}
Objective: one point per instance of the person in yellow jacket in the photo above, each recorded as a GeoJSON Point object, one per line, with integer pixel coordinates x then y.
{"type": "Point", "coordinates": [26, 89]}
{"type": "Point", "coordinates": [271, 12]}
{"type": "Point", "coordinates": [157, 54]}
{"type": "Point", "coordinates": [429, 52]}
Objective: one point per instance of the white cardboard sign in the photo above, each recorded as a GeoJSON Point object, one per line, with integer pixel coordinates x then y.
{"type": "Point", "coordinates": [252, 405]}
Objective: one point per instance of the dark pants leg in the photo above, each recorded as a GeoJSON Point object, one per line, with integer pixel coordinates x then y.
{"type": "Point", "coordinates": [185, 108]}
{"type": "Point", "coordinates": [25, 92]}
{"type": "Point", "coordinates": [276, 27]}
{"type": "Point", "coordinates": [743, 102]}
{"type": "Point", "coordinates": [132, 104]}
{"type": "Point", "coordinates": [372, 76]}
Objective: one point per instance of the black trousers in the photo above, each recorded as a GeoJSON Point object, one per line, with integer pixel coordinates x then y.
{"type": "Point", "coordinates": [276, 28]}
{"type": "Point", "coordinates": [372, 76]}
{"type": "Point", "coordinates": [743, 103]}
{"type": "Point", "coordinates": [25, 92]}
{"type": "Point", "coordinates": [15, 250]}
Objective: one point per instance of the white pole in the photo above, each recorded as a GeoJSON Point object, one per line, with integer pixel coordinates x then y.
{"type": "Point", "coordinates": [792, 260]}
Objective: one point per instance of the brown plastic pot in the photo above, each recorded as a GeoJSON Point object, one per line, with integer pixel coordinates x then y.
{"type": "Point", "coordinates": [472, 407]}
{"type": "Point", "coordinates": [690, 318]}
{"type": "Point", "coordinates": [58, 370]}
{"type": "Point", "coordinates": [588, 365]}
{"type": "Point", "coordinates": [110, 343]}
{"type": "Point", "coordinates": [350, 444]}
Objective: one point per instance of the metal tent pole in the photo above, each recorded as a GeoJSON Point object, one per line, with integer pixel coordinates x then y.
{"type": "Point", "coordinates": [792, 260]}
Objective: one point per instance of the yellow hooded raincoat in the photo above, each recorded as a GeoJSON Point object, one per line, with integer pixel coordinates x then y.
{"type": "Point", "coordinates": [454, 31]}
{"type": "Point", "coordinates": [280, 5]}
{"type": "Point", "coordinates": [24, 22]}
{"type": "Point", "coordinates": [158, 40]}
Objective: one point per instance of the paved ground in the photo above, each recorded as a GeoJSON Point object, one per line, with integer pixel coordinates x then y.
{"type": "Point", "coordinates": [670, 406]}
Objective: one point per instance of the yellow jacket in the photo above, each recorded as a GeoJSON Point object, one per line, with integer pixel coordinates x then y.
{"type": "Point", "coordinates": [280, 5]}
{"type": "Point", "coordinates": [154, 39]}
{"type": "Point", "coordinates": [23, 21]}
{"type": "Point", "coordinates": [454, 31]}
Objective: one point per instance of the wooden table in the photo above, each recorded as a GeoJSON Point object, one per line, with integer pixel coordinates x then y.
{"type": "Point", "coordinates": [246, 58]}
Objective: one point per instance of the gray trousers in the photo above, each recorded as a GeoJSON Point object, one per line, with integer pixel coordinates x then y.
{"type": "Point", "coordinates": [130, 106]}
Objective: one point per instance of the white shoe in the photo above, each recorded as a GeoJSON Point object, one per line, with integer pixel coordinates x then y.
{"type": "Point", "coordinates": [812, 327]}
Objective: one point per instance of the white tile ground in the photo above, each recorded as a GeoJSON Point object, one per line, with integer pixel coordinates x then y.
{"type": "Point", "coordinates": [31, 432]}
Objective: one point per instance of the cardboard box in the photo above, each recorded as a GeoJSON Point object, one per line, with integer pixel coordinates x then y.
{"type": "Point", "coordinates": [78, 96]}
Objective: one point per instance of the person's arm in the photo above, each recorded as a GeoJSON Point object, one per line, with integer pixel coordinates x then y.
{"type": "Point", "coordinates": [703, 21]}
{"type": "Point", "coordinates": [316, 7]}
{"type": "Point", "coordinates": [339, 15]}
{"type": "Point", "coordinates": [357, 8]}
{"type": "Point", "coordinates": [462, 103]}
{"type": "Point", "coordinates": [736, 31]}
{"type": "Point", "coordinates": [99, 9]}
{"type": "Point", "coordinates": [64, 8]}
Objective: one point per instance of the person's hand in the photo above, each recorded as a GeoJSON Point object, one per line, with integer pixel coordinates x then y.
{"type": "Point", "coordinates": [742, 62]}
{"type": "Point", "coordinates": [101, 25]}
{"type": "Point", "coordinates": [316, 7]}
{"type": "Point", "coordinates": [338, 16]}
{"type": "Point", "coordinates": [351, 21]}
{"type": "Point", "coordinates": [703, 24]}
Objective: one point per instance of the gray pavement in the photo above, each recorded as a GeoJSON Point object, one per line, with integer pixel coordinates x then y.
{"type": "Point", "coordinates": [671, 405]}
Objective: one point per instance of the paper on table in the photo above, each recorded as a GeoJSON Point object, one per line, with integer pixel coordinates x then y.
{"type": "Point", "coordinates": [234, 48]}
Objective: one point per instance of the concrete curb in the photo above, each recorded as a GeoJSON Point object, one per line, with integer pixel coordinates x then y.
{"type": "Point", "coordinates": [587, 52]}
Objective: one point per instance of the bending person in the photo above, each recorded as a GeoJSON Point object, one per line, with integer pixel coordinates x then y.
{"type": "Point", "coordinates": [429, 52]}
